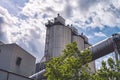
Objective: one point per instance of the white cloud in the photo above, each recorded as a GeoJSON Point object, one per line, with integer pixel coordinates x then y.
{"type": "Point", "coordinates": [13, 6]}
{"type": "Point", "coordinates": [29, 31]}
{"type": "Point", "coordinates": [100, 34]}
{"type": "Point", "coordinates": [40, 6]}
{"type": "Point", "coordinates": [76, 10]}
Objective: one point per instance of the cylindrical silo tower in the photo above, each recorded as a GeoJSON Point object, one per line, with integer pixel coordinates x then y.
{"type": "Point", "coordinates": [80, 39]}
{"type": "Point", "coordinates": [82, 43]}
{"type": "Point", "coordinates": [57, 37]}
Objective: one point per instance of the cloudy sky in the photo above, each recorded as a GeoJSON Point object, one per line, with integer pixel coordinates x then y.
{"type": "Point", "coordinates": [22, 21]}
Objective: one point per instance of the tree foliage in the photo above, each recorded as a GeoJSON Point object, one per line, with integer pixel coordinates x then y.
{"type": "Point", "coordinates": [69, 65]}
{"type": "Point", "coordinates": [110, 70]}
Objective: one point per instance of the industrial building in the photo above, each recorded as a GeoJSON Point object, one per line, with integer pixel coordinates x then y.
{"type": "Point", "coordinates": [15, 62]}
{"type": "Point", "coordinates": [58, 35]}
{"type": "Point", "coordinates": [18, 64]}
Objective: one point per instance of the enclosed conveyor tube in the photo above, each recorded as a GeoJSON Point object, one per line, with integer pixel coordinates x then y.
{"type": "Point", "coordinates": [102, 48]}
{"type": "Point", "coordinates": [98, 50]}
{"type": "Point", "coordinates": [105, 47]}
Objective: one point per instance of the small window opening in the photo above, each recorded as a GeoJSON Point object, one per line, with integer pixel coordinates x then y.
{"type": "Point", "coordinates": [18, 61]}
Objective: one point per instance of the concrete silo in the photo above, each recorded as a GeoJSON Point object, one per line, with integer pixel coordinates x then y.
{"type": "Point", "coordinates": [82, 43]}
{"type": "Point", "coordinates": [57, 37]}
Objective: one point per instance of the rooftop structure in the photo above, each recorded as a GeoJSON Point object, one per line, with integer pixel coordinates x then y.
{"type": "Point", "coordinates": [15, 59]}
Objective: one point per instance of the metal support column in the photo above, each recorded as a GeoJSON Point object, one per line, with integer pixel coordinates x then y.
{"type": "Point", "coordinates": [116, 42]}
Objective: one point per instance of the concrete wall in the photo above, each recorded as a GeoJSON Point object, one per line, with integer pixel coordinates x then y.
{"type": "Point", "coordinates": [8, 57]}
{"type": "Point", "coordinates": [59, 37]}
{"type": "Point", "coordinates": [5, 56]}
{"type": "Point", "coordinates": [79, 41]}
{"type": "Point", "coordinates": [5, 75]}
{"type": "Point", "coordinates": [27, 66]}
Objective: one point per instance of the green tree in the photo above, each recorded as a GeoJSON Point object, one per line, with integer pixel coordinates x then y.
{"type": "Point", "coordinates": [110, 70]}
{"type": "Point", "coordinates": [69, 65]}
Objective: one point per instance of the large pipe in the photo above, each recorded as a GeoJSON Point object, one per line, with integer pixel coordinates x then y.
{"type": "Point", "coordinates": [98, 50]}
{"type": "Point", "coordinates": [102, 48]}
{"type": "Point", "coordinates": [105, 47]}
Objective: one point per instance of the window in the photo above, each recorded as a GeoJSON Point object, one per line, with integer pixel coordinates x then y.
{"type": "Point", "coordinates": [18, 61]}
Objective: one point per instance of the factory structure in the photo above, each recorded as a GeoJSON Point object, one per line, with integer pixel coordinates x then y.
{"type": "Point", "coordinates": [15, 62]}
{"type": "Point", "coordinates": [18, 64]}
{"type": "Point", "coordinates": [58, 35]}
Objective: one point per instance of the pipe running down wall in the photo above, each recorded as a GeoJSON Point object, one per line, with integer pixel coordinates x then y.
{"type": "Point", "coordinates": [98, 50]}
